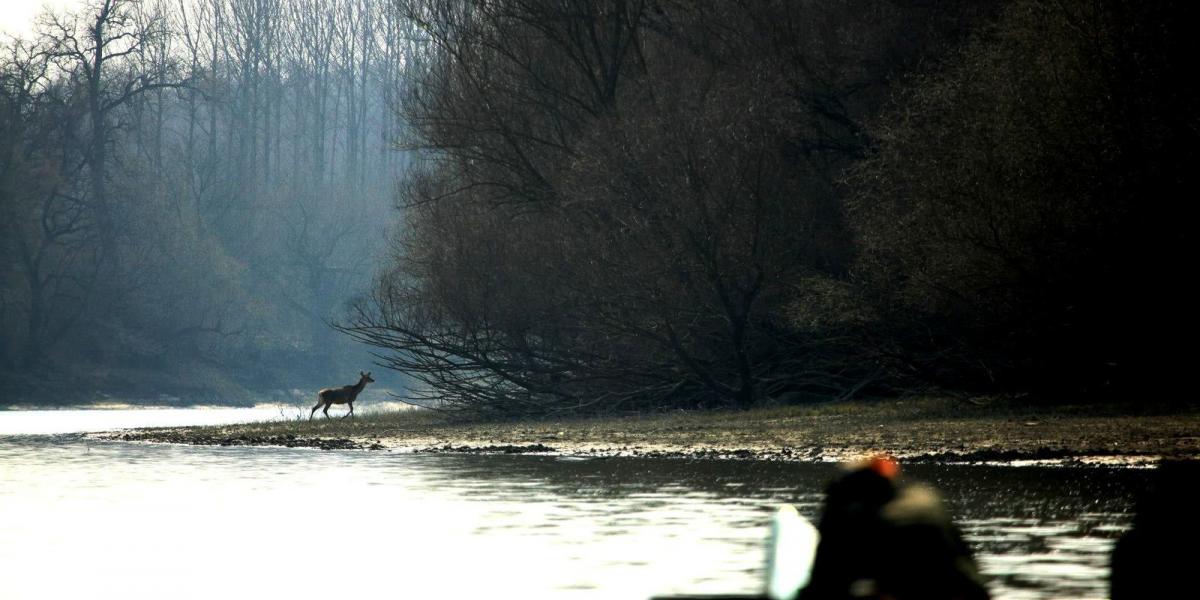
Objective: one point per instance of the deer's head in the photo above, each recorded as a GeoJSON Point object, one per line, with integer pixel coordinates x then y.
{"type": "Point", "coordinates": [366, 377]}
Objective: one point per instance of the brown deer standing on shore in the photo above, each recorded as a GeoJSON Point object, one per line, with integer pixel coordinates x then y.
{"type": "Point", "coordinates": [341, 395]}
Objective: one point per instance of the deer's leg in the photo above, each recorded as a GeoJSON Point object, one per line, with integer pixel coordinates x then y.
{"type": "Point", "coordinates": [314, 410]}
{"type": "Point", "coordinates": [326, 411]}
{"type": "Point", "coordinates": [351, 413]}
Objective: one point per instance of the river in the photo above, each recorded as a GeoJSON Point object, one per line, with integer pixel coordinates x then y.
{"type": "Point", "coordinates": [87, 519]}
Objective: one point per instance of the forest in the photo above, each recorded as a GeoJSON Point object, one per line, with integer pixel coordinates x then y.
{"type": "Point", "coordinates": [190, 192]}
{"type": "Point", "coordinates": [544, 207]}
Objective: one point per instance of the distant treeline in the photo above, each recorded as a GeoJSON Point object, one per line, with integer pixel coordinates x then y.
{"type": "Point", "coordinates": [190, 190]}
{"type": "Point", "coordinates": [629, 205]}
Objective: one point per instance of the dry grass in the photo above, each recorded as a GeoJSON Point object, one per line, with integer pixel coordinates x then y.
{"type": "Point", "coordinates": [919, 427]}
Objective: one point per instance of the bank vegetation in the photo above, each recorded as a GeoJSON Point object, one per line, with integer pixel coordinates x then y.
{"type": "Point", "coordinates": [641, 205]}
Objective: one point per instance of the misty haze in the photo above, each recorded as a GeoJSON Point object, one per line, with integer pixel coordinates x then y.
{"type": "Point", "coordinates": [575, 294]}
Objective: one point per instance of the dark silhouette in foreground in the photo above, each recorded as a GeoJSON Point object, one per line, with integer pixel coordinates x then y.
{"type": "Point", "coordinates": [884, 539]}
{"type": "Point", "coordinates": [880, 539]}
{"type": "Point", "coordinates": [1157, 557]}
{"type": "Point", "coordinates": [341, 395]}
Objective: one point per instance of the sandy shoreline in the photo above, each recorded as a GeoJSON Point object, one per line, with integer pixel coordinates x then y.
{"type": "Point", "coordinates": [923, 431]}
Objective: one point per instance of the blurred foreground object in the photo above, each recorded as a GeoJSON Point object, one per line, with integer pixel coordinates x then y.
{"type": "Point", "coordinates": [790, 551]}
{"type": "Point", "coordinates": [883, 539]}
{"type": "Point", "coordinates": [1156, 558]}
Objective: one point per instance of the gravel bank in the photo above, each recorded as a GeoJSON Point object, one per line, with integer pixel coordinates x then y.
{"type": "Point", "coordinates": [928, 430]}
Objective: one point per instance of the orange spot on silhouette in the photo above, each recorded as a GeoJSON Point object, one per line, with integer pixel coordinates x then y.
{"type": "Point", "coordinates": [885, 466]}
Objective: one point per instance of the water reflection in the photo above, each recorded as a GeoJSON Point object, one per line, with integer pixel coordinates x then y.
{"type": "Point", "coordinates": [1043, 532]}
{"type": "Point", "coordinates": [43, 422]}
{"type": "Point", "coordinates": [93, 519]}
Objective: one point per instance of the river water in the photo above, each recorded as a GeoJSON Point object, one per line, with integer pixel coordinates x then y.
{"type": "Point", "coordinates": [87, 519]}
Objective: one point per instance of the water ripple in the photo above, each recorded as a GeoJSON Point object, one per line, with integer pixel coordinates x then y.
{"type": "Point", "coordinates": [152, 521]}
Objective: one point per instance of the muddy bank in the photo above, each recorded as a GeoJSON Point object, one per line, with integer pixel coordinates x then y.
{"type": "Point", "coordinates": [182, 436]}
{"type": "Point", "coordinates": [925, 431]}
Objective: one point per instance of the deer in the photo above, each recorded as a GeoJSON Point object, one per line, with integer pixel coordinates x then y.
{"type": "Point", "coordinates": [341, 395]}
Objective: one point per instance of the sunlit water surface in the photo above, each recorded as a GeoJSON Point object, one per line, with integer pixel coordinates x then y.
{"type": "Point", "coordinates": [89, 519]}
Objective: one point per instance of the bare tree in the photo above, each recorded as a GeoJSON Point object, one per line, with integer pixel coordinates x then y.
{"type": "Point", "coordinates": [93, 45]}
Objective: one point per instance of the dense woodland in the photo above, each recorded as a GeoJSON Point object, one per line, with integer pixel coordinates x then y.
{"type": "Point", "coordinates": [190, 192]}
{"type": "Point", "coordinates": [633, 205]}
{"type": "Point", "coordinates": [605, 206]}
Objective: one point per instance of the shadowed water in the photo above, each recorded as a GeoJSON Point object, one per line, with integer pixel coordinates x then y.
{"type": "Point", "coordinates": [88, 519]}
